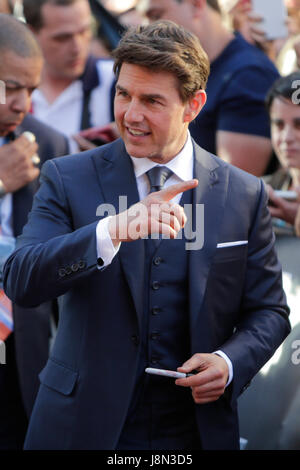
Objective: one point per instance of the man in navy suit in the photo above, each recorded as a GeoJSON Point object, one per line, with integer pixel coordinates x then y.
{"type": "Point", "coordinates": [27, 347]}
{"type": "Point", "coordinates": [206, 298]}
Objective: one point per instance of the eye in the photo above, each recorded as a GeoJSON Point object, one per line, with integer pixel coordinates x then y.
{"type": "Point", "coordinates": [278, 125]}
{"type": "Point", "coordinates": [122, 93]}
{"type": "Point", "coordinates": [85, 31]}
{"type": "Point", "coordinates": [62, 38]}
{"type": "Point", "coordinates": [154, 15]}
{"type": "Point", "coordinates": [10, 89]}
{"type": "Point", "coordinates": [153, 101]}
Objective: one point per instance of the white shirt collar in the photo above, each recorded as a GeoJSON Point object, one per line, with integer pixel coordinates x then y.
{"type": "Point", "coordinates": [181, 164]}
{"type": "Point", "coordinates": [69, 94]}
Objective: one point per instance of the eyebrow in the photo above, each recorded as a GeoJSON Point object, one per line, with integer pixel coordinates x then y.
{"type": "Point", "coordinates": [14, 83]}
{"type": "Point", "coordinates": [281, 120]}
{"type": "Point", "coordinates": [64, 33]}
{"type": "Point", "coordinates": [20, 85]}
{"type": "Point", "coordinates": [156, 96]}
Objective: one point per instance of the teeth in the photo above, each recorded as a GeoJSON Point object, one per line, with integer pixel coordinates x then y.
{"type": "Point", "coordinates": [136, 132]}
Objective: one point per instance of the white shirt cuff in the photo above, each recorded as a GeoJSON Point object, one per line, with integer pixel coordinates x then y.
{"type": "Point", "coordinates": [229, 364]}
{"type": "Point", "coordinates": [105, 248]}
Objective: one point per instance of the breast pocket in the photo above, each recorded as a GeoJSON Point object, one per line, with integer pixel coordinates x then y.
{"type": "Point", "coordinates": [230, 253]}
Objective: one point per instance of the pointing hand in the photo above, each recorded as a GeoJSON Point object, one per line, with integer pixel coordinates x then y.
{"type": "Point", "coordinates": [154, 214]}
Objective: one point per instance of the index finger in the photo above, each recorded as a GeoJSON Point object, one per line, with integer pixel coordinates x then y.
{"type": "Point", "coordinates": [169, 193]}
{"type": "Point", "coordinates": [201, 378]}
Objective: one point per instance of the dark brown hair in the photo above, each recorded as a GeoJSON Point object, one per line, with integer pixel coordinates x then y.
{"type": "Point", "coordinates": [165, 46]}
{"type": "Point", "coordinates": [33, 10]}
{"type": "Point", "coordinates": [214, 4]}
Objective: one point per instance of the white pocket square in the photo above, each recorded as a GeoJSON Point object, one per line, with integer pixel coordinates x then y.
{"type": "Point", "coordinates": [228, 244]}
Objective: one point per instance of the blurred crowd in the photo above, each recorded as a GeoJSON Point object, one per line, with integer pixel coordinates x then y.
{"type": "Point", "coordinates": [251, 119]}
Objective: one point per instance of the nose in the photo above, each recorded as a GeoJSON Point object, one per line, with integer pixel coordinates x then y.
{"type": "Point", "coordinates": [21, 101]}
{"type": "Point", "coordinates": [76, 44]}
{"type": "Point", "coordinates": [288, 133]}
{"type": "Point", "coordinates": [80, 42]}
{"type": "Point", "coordinates": [133, 112]}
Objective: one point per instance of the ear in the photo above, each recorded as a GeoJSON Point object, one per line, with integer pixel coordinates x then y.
{"type": "Point", "coordinates": [194, 106]}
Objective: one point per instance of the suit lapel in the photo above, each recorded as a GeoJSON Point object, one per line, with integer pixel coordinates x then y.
{"type": "Point", "coordinates": [117, 178]}
{"type": "Point", "coordinates": [211, 192]}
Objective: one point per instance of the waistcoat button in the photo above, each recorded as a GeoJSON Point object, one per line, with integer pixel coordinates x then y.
{"type": "Point", "coordinates": [155, 310]}
{"type": "Point", "coordinates": [154, 360]}
{"type": "Point", "coordinates": [157, 261]}
{"type": "Point", "coordinates": [154, 335]}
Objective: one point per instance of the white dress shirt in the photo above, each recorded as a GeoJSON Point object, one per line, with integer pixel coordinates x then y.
{"type": "Point", "coordinates": [182, 167]}
{"type": "Point", "coordinates": [64, 114]}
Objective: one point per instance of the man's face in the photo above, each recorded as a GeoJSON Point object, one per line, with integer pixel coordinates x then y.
{"type": "Point", "coordinates": [181, 13]}
{"type": "Point", "coordinates": [151, 117]}
{"type": "Point", "coordinates": [65, 38]}
{"type": "Point", "coordinates": [285, 132]}
{"type": "Point", "coordinates": [20, 76]}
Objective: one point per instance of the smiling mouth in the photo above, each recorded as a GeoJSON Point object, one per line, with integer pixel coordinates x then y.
{"type": "Point", "coordinates": [137, 133]}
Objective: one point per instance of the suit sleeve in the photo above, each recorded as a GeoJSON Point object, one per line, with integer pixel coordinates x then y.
{"type": "Point", "coordinates": [50, 257]}
{"type": "Point", "coordinates": [263, 323]}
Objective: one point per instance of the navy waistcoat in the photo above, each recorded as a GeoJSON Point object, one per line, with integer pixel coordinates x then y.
{"type": "Point", "coordinates": [157, 402]}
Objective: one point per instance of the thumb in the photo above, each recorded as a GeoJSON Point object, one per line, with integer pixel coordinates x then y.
{"type": "Point", "coordinates": [169, 193]}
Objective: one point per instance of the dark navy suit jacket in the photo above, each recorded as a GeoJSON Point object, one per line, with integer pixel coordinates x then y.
{"type": "Point", "coordinates": [236, 301]}
{"type": "Point", "coordinates": [31, 327]}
